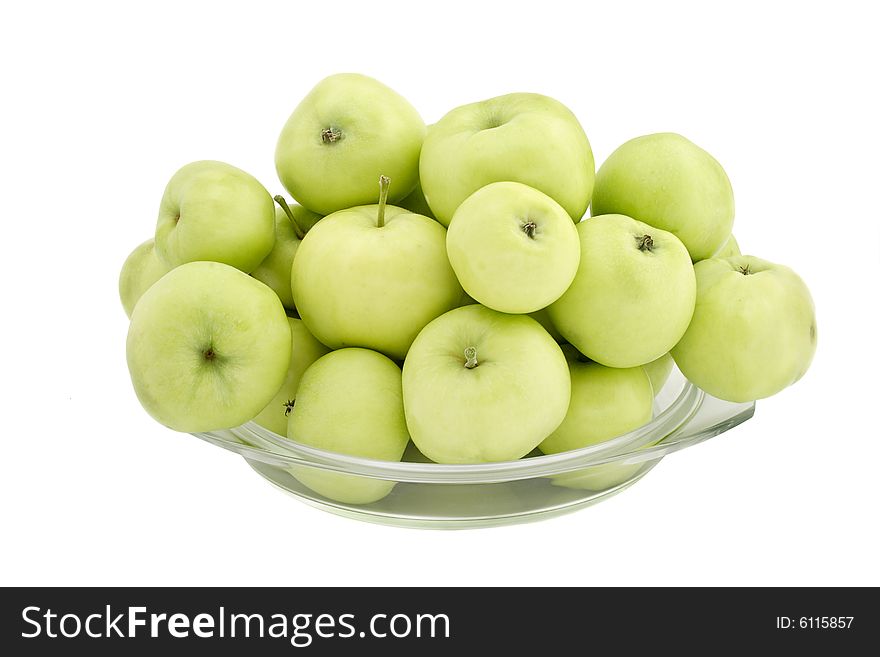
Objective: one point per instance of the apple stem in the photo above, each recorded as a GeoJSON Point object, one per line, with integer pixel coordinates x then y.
{"type": "Point", "coordinates": [646, 243]}
{"type": "Point", "coordinates": [745, 270]}
{"type": "Point", "coordinates": [280, 200]}
{"type": "Point", "coordinates": [471, 355]}
{"type": "Point", "coordinates": [331, 135]}
{"type": "Point", "coordinates": [384, 184]}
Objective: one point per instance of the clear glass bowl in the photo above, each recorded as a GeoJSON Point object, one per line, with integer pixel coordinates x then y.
{"type": "Point", "coordinates": [416, 493]}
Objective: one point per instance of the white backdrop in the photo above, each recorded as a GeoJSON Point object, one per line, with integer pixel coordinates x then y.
{"type": "Point", "coordinates": [103, 102]}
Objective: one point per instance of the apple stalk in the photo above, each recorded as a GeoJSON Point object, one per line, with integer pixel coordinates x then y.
{"type": "Point", "coordinates": [281, 201]}
{"type": "Point", "coordinates": [384, 184]}
{"type": "Point", "coordinates": [471, 355]}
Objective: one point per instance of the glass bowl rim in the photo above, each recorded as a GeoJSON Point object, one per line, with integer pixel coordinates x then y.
{"type": "Point", "coordinates": [644, 443]}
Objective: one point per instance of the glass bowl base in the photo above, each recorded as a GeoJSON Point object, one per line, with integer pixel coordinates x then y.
{"type": "Point", "coordinates": [456, 506]}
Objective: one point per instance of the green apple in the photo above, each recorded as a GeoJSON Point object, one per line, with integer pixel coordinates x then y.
{"type": "Point", "coordinates": [479, 385]}
{"type": "Point", "coordinates": [291, 225]}
{"type": "Point", "coordinates": [416, 203]}
{"type": "Point", "coordinates": [671, 183]}
{"type": "Point", "coordinates": [753, 332]}
{"type": "Point", "coordinates": [526, 138]}
{"type": "Point", "coordinates": [598, 477]}
{"type": "Point", "coordinates": [461, 502]}
{"type": "Point", "coordinates": [140, 270]}
{"type": "Point", "coordinates": [349, 401]}
{"type": "Point", "coordinates": [728, 249]}
{"type": "Point", "coordinates": [658, 371]}
{"type": "Point", "coordinates": [514, 249]}
{"type": "Point", "coordinates": [543, 318]}
{"type": "Point", "coordinates": [605, 403]}
{"type": "Point", "coordinates": [208, 346]}
{"type": "Point", "coordinates": [632, 296]}
{"type": "Point", "coordinates": [344, 134]}
{"type": "Point", "coordinates": [304, 350]}
{"type": "Point", "coordinates": [373, 276]}
{"type": "Point", "coordinates": [214, 211]}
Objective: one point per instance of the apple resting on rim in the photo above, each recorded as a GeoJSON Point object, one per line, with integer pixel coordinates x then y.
{"type": "Point", "coordinates": [349, 401]}
{"type": "Point", "coordinates": [605, 403]}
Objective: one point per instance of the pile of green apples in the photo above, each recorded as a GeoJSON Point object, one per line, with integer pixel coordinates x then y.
{"type": "Point", "coordinates": [442, 285]}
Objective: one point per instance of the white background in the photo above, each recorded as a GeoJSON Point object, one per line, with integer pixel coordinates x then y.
{"type": "Point", "coordinates": [103, 102]}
